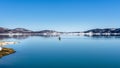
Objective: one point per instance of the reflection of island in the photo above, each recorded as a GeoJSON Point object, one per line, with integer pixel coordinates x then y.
{"type": "Point", "coordinates": [6, 51]}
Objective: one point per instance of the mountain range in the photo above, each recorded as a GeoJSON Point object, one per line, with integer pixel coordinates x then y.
{"type": "Point", "coordinates": [106, 30]}
{"type": "Point", "coordinates": [23, 30]}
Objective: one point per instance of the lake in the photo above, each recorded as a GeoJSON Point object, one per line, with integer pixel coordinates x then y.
{"type": "Point", "coordinates": [67, 52]}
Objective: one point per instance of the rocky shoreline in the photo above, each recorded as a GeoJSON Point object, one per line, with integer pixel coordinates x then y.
{"type": "Point", "coordinates": [6, 51]}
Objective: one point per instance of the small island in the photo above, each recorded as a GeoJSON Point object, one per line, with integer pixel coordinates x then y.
{"type": "Point", "coordinates": [6, 51]}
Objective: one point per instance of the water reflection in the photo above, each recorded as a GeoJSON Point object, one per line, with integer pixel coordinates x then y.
{"type": "Point", "coordinates": [20, 37]}
{"type": "Point", "coordinates": [6, 51]}
{"type": "Point", "coordinates": [106, 37]}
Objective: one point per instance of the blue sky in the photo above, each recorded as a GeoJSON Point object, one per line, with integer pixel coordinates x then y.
{"type": "Point", "coordinates": [60, 15]}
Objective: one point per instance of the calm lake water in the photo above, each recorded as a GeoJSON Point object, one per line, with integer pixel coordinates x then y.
{"type": "Point", "coordinates": [69, 52]}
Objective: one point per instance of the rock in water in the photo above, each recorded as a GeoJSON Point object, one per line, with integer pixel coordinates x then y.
{"type": "Point", "coordinates": [6, 51]}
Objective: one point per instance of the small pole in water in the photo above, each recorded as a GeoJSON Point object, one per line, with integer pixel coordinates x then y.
{"type": "Point", "coordinates": [59, 38]}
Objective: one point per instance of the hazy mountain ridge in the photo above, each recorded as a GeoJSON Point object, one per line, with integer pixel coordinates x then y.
{"type": "Point", "coordinates": [23, 30]}
{"type": "Point", "coordinates": [106, 30]}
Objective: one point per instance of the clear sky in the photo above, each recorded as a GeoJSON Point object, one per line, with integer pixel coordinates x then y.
{"type": "Point", "coordinates": [60, 15]}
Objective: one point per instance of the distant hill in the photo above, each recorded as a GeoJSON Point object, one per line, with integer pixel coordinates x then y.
{"type": "Point", "coordinates": [106, 30]}
{"type": "Point", "coordinates": [4, 30]}
{"type": "Point", "coordinates": [20, 30]}
{"type": "Point", "coordinates": [23, 30]}
{"type": "Point", "coordinates": [46, 31]}
{"type": "Point", "coordinates": [16, 30]}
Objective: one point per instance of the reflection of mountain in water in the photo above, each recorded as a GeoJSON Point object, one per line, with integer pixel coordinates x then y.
{"type": "Point", "coordinates": [96, 36]}
{"type": "Point", "coordinates": [2, 37]}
